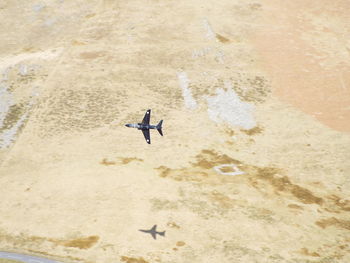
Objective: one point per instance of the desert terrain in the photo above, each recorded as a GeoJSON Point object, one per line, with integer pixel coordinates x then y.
{"type": "Point", "coordinates": [254, 162]}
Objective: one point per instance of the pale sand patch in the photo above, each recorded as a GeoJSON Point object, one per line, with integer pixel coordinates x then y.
{"type": "Point", "coordinates": [8, 61]}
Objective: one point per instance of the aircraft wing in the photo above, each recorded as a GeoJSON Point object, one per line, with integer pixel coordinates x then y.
{"type": "Point", "coordinates": [154, 235]}
{"type": "Point", "coordinates": [147, 117]}
{"type": "Point", "coordinates": [147, 136]}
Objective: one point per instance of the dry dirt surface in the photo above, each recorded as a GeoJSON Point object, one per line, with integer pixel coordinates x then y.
{"type": "Point", "coordinates": [254, 162]}
{"type": "Point", "coordinates": [9, 261]}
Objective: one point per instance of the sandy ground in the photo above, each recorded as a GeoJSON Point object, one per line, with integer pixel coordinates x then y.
{"type": "Point", "coordinates": [8, 261]}
{"type": "Point", "coordinates": [260, 89]}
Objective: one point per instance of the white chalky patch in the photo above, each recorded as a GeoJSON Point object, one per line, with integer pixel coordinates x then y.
{"type": "Point", "coordinates": [38, 7]}
{"type": "Point", "coordinates": [50, 22]}
{"type": "Point", "coordinates": [9, 135]}
{"type": "Point", "coordinates": [227, 106]}
{"type": "Point", "coordinates": [190, 103]}
{"type": "Point", "coordinates": [236, 171]}
{"type": "Point", "coordinates": [26, 258]}
{"type": "Point", "coordinates": [6, 101]}
{"type": "Point", "coordinates": [209, 31]}
{"type": "Point", "coordinates": [14, 257]}
{"type": "Point", "coordinates": [220, 56]}
{"type": "Point", "coordinates": [5, 74]}
{"type": "Point", "coordinates": [200, 52]}
{"type": "Point", "coordinates": [23, 69]}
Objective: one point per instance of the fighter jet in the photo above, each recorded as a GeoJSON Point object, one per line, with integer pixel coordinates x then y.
{"type": "Point", "coordinates": [144, 126]}
{"type": "Point", "coordinates": [153, 232]}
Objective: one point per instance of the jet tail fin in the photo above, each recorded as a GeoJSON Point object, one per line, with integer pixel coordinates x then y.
{"type": "Point", "coordinates": [159, 127]}
{"type": "Point", "coordinates": [161, 233]}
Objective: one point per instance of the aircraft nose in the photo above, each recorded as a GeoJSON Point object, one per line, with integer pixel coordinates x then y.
{"type": "Point", "coordinates": [127, 125]}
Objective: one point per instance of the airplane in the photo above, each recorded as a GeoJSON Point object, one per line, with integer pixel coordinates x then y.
{"type": "Point", "coordinates": [144, 126]}
{"type": "Point", "coordinates": [153, 232]}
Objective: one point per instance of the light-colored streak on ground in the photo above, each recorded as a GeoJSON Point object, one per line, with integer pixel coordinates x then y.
{"type": "Point", "coordinates": [10, 61]}
{"type": "Point", "coordinates": [24, 258]}
{"type": "Point", "coordinates": [190, 103]}
{"type": "Point", "coordinates": [9, 135]}
{"type": "Point", "coordinates": [5, 102]}
{"type": "Point", "coordinates": [209, 33]}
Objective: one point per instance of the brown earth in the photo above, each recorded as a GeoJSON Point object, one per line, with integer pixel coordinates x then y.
{"type": "Point", "coordinates": [305, 49]}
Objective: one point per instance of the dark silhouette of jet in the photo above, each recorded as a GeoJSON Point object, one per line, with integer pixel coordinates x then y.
{"type": "Point", "coordinates": [153, 231]}
{"type": "Point", "coordinates": [144, 126]}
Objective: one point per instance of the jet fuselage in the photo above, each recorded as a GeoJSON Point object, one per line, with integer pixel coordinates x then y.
{"type": "Point", "coordinates": [141, 126]}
